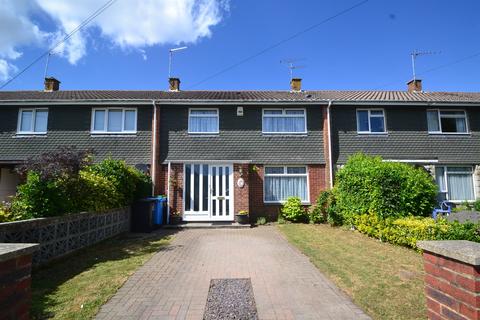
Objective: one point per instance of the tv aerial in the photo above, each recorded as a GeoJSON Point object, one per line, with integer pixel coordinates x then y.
{"type": "Point", "coordinates": [291, 65]}
{"type": "Point", "coordinates": [417, 53]}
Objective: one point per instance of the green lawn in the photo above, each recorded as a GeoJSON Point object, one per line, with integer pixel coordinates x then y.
{"type": "Point", "coordinates": [78, 285]}
{"type": "Point", "coordinates": [386, 281]}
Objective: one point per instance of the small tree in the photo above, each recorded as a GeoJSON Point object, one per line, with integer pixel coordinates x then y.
{"type": "Point", "coordinates": [293, 210]}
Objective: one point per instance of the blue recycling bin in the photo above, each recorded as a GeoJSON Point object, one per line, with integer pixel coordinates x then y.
{"type": "Point", "coordinates": [158, 210]}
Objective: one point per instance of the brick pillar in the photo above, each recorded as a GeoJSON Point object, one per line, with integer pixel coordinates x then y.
{"type": "Point", "coordinates": [452, 279]}
{"type": "Point", "coordinates": [241, 194]}
{"type": "Point", "coordinates": [15, 280]}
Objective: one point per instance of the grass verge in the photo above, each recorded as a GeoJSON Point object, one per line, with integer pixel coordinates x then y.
{"type": "Point", "coordinates": [78, 285]}
{"type": "Point", "coordinates": [385, 280]}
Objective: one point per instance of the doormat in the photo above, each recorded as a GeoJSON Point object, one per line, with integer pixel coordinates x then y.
{"type": "Point", "coordinates": [230, 299]}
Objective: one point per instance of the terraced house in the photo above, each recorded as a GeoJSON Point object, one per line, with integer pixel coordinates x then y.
{"type": "Point", "coordinates": [215, 153]}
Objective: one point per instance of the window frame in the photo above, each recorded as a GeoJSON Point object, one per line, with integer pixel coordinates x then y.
{"type": "Point", "coordinates": [283, 115]}
{"type": "Point", "coordinates": [439, 118]}
{"type": "Point", "coordinates": [105, 121]}
{"type": "Point", "coordinates": [369, 110]}
{"type": "Point", "coordinates": [306, 202]}
{"type": "Point", "coordinates": [445, 180]}
{"type": "Point", "coordinates": [200, 116]}
{"type": "Point", "coordinates": [32, 127]}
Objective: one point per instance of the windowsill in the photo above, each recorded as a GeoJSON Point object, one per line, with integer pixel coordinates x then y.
{"type": "Point", "coordinates": [30, 135]}
{"type": "Point", "coordinates": [285, 134]}
{"type": "Point", "coordinates": [372, 133]}
{"type": "Point", "coordinates": [450, 133]}
{"type": "Point", "coordinates": [282, 203]}
{"type": "Point", "coordinates": [113, 134]}
{"type": "Point", "coordinates": [204, 134]}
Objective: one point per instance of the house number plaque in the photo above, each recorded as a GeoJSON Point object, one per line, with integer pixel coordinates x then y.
{"type": "Point", "coordinates": [240, 182]}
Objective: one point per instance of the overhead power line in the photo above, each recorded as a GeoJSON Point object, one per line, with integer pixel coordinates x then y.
{"type": "Point", "coordinates": [95, 14]}
{"type": "Point", "coordinates": [279, 43]}
{"type": "Point", "coordinates": [472, 56]}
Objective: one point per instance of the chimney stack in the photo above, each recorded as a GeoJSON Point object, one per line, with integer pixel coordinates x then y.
{"type": "Point", "coordinates": [51, 84]}
{"type": "Point", "coordinates": [174, 84]}
{"type": "Point", "coordinates": [414, 85]}
{"type": "Point", "coordinates": [296, 84]}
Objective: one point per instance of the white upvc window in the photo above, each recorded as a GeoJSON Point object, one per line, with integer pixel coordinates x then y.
{"type": "Point", "coordinates": [32, 121]}
{"type": "Point", "coordinates": [282, 182]}
{"type": "Point", "coordinates": [203, 121]}
{"type": "Point", "coordinates": [284, 121]}
{"type": "Point", "coordinates": [371, 121]}
{"type": "Point", "coordinates": [114, 120]}
{"type": "Point", "coordinates": [455, 183]}
{"type": "Point", "coordinates": [447, 121]}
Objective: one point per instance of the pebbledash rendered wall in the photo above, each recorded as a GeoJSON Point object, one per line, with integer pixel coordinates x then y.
{"type": "Point", "coordinates": [59, 236]}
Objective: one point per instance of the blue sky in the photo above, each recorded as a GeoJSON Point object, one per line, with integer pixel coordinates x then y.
{"type": "Point", "coordinates": [367, 48]}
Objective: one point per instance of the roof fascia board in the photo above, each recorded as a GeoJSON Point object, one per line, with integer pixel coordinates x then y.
{"type": "Point", "coordinates": [76, 102]}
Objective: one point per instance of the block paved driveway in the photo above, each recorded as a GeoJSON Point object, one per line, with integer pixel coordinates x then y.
{"type": "Point", "coordinates": [174, 283]}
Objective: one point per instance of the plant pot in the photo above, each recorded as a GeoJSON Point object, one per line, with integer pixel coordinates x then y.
{"type": "Point", "coordinates": [242, 218]}
{"type": "Point", "coordinates": [175, 219]}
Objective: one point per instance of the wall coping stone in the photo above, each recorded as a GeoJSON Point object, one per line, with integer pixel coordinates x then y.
{"type": "Point", "coordinates": [462, 250]}
{"type": "Point", "coordinates": [13, 250]}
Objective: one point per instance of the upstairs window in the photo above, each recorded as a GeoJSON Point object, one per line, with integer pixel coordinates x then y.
{"type": "Point", "coordinates": [203, 121]}
{"type": "Point", "coordinates": [32, 121]}
{"type": "Point", "coordinates": [282, 182]}
{"type": "Point", "coordinates": [370, 121]}
{"type": "Point", "coordinates": [284, 121]}
{"type": "Point", "coordinates": [447, 121]}
{"type": "Point", "coordinates": [114, 120]}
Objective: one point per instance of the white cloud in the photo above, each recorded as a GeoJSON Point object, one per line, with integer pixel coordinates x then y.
{"type": "Point", "coordinates": [136, 24]}
{"type": "Point", "coordinates": [128, 24]}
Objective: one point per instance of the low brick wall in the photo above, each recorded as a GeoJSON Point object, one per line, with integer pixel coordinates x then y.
{"type": "Point", "coordinates": [59, 236]}
{"type": "Point", "coordinates": [15, 280]}
{"type": "Point", "coordinates": [452, 279]}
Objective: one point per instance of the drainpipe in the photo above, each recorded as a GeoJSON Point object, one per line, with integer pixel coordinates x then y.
{"type": "Point", "coordinates": [154, 148]}
{"type": "Point", "coordinates": [168, 191]}
{"type": "Point", "coordinates": [330, 160]}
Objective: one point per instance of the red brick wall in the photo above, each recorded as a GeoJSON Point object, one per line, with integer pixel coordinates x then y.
{"type": "Point", "coordinates": [241, 201]}
{"type": "Point", "coordinates": [317, 183]}
{"type": "Point", "coordinates": [452, 288]}
{"type": "Point", "coordinates": [15, 291]}
{"type": "Point", "coordinates": [176, 187]}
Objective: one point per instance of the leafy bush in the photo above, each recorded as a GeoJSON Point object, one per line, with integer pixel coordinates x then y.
{"type": "Point", "coordinates": [130, 182]}
{"type": "Point", "coordinates": [261, 221]}
{"type": "Point", "coordinates": [476, 205]}
{"type": "Point", "coordinates": [318, 212]}
{"type": "Point", "coordinates": [97, 193]}
{"type": "Point", "coordinates": [293, 210]}
{"type": "Point", "coordinates": [333, 217]}
{"type": "Point", "coordinates": [388, 189]}
{"type": "Point", "coordinates": [408, 230]}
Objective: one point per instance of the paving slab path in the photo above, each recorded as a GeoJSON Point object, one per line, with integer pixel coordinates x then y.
{"type": "Point", "coordinates": [174, 284]}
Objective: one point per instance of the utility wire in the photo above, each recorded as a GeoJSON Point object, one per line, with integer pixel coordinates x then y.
{"type": "Point", "coordinates": [95, 14]}
{"type": "Point", "coordinates": [273, 46]}
{"type": "Point", "coordinates": [435, 68]}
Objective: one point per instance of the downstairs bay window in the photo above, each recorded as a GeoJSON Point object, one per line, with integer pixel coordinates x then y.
{"type": "Point", "coordinates": [455, 183]}
{"type": "Point", "coordinates": [282, 182]}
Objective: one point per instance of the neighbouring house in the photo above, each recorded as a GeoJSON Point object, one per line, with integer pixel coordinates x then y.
{"type": "Point", "coordinates": [215, 153]}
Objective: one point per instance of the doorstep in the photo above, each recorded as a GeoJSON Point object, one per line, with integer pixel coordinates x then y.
{"type": "Point", "coordinates": [207, 225]}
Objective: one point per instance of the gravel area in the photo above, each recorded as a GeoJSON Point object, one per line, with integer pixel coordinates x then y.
{"type": "Point", "coordinates": [230, 299]}
{"type": "Point", "coordinates": [464, 216]}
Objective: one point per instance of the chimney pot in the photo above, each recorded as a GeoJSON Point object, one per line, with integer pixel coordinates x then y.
{"type": "Point", "coordinates": [51, 84]}
{"type": "Point", "coordinates": [414, 85]}
{"type": "Point", "coordinates": [296, 84]}
{"type": "Point", "coordinates": [174, 84]}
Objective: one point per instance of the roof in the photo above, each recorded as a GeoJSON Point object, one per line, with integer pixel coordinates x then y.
{"type": "Point", "coordinates": [240, 96]}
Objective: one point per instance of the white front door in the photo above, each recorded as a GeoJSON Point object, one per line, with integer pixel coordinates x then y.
{"type": "Point", "coordinates": [208, 192]}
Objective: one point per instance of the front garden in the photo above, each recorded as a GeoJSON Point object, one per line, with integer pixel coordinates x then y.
{"type": "Point", "coordinates": [362, 232]}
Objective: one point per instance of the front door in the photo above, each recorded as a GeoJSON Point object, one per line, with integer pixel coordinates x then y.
{"type": "Point", "coordinates": [208, 192]}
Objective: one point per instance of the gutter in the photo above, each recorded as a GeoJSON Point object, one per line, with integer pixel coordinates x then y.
{"type": "Point", "coordinates": [330, 160]}
{"type": "Point", "coordinates": [154, 148]}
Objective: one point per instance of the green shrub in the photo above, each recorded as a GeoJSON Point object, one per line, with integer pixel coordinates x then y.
{"type": "Point", "coordinates": [6, 213]}
{"type": "Point", "coordinates": [97, 193]}
{"type": "Point", "coordinates": [367, 184]}
{"type": "Point", "coordinates": [333, 217]}
{"type": "Point", "coordinates": [318, 212]}
{"type": "Point", "coordinates": [261, 221]}
{"type": "Point", "coordinates": [476, 205]}
{"type": "Point", "coordinates": [130, 182]}
{"type": "Point", "coordinates": [293, 210]}
{"type": "Point", "coordinates": [408, 230]}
